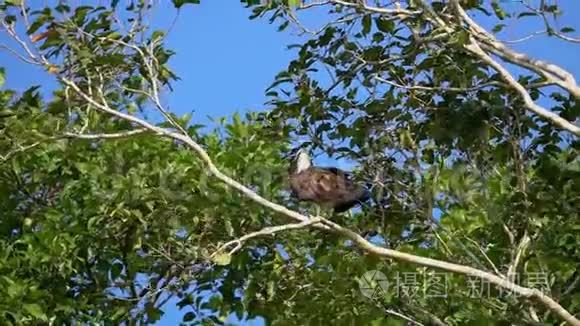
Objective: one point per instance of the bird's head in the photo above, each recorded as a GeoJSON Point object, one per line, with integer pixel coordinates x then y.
{"type": "Point", "coordinates": [301, 160]}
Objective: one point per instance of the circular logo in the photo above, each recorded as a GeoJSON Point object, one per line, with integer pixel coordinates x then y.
{"type": "Point", "coordinates": [373, 284]}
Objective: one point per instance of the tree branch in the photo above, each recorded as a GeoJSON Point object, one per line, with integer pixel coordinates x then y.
{"type": "Point", "coordinates": [378, 10]}
{"type": "Point", "coordinates": [490, 262]}
{"type": "Point", "coordinates": [550, 71]}
{"type": "Point", "coordinates": [517, 256]}
{"type": "Point", "coordinates": [271, 230]}
{"type": "Point", "coordinates": [116, 135]}
{"type": "Point", "coordinates": [455, 268]}
{"type": "Point", "coordinates": [435, 88]}
{"type": "Point", "coordinates": [562, 123]}
{"type": "Point", "coordinates": [121, 134]}
{"type": "Point", "coordinates": [9, 155]}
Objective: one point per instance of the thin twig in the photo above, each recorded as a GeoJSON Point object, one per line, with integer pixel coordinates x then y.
{"type": "Point", "coordinates": [400, 315]}
{"type": "Point", "coordinates": [271, 230]}
{"type": "Point", "coordinates": [495, 269]}
{"type": "Point", "coordinates": [384, 11]}
{"type": "Point", "coordinates": [434, 88]}
{"type": "Point", "coordinates": [18, 55]}
{"type": "Point", "coordinates": [116, 135]}
{"type": "Point", "coordinates": [22, 149]}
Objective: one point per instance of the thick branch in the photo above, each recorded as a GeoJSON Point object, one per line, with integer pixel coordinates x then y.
{"type": "Point", "coordinates": [455, 268]}
{"type": "Point", "coordinates": [550, 71]}
{"type": "Point", "coordinates": [562, 123]}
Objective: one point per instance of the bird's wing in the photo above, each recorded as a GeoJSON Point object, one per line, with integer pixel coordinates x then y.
{"type": "Point", "coordinates": [314, 184]}
{"type": "Point", "coordinates": [337, 171]}
{"type": "Point", "coordinates": [328, 186]}
{"type": "Point", "coordinates": [347, 192]}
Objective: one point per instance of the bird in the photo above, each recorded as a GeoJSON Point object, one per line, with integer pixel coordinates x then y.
{"type": "Point", "coordinates": [328, 187]}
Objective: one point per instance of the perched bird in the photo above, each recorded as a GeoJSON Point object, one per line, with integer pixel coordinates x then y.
{"type": "Point", "coordinates": [329, 187]}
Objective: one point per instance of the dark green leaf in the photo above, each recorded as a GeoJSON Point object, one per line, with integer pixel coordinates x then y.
{"type": "Point", "coordinates": [179, 3]}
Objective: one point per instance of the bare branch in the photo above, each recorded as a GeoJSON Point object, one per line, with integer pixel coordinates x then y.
{"type": "Point", "coordinates": [495, 269]}
{"type": "Point", "coordinates": [549, 30]}
{"type": "Point", "coordinates": [572, 286]}
{"type": "Point", "coordinates": [550, 71]}
{"type": "Point", "coordinates": [525, 38]}
{"type": "Point", "coordinates": [271, 230]}
{"type": "Point", "coordinates": [9, 155]}
{"type": "Point", "coordinates": [474, 48]}
{"type": "Point", "coordinates": [18, 55]}
{"type": "Point", "coordinates": [314, 4]}
{"type": "Point", "coordinates": [566, 38]}
{"type": "Point", "coordinates": [384, 11]}
{"type": "Point", "coordinates": [22, 149]}
{"type": "Point", "coordinates": [458, 89]}
{"type": "Point", "coordinates": [519, 251]}
{"type": "Point", "coordinates": [12, 33]}
{"type": "Point", "coordinates": [455, 268]}
{"type": "Point", "coordinates": [434, 88]}
{"type": "Point", "coordinates": [116, 135]}
{"type": "Point", "coordinates": [400, 315]}
{"type": "Point", "coordinates": [510, 234]}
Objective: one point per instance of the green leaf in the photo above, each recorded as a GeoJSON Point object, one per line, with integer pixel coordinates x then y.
{"type": "Point", "coordinates": [116, 270]}
{"type": "Point", "coordinates": [497, 28]}
{"type": "Point", "coordinates": [222, 259]}
{"type": "Point", "coordinates": [179, 3]}
{"type": "Point", "coordinates": [366, 23]}
{"type": "Point", "coordinates": [527, 13]}
{"type": "Point", "coordinates": [499, 12]}
{"type": "Point", "coordinates": [35, 310]}
{"type": "Point", "coordinates": [385, 25]}
{"type": "Point", "coordinates": [153, 314]}
{"type": "Point", "coordinates": [157, 35]}
{"type": "Point", "coordinates": [6, 113]}
{"type": "Point", "coordinates": [2, 76]}
{"type": "Point", "coordinates": [189, 316]}
{"type": "Point", "coordinates": [567, 30]}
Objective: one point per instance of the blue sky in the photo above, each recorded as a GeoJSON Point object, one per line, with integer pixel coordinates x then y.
{"type": "Point", "coordinates": [226, 61]}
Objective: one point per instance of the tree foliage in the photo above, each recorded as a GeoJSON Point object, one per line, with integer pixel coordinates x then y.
{"type": "Point", "coordinates": [105, 219]}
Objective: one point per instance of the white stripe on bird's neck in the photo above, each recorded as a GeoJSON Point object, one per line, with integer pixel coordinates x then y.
{"type": "Point", "coordinates": [303, 162]}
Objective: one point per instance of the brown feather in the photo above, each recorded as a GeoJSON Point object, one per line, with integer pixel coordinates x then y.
{"type": "Point", "coordinates": [328, 187]}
